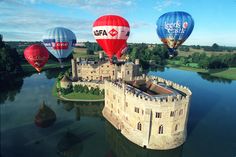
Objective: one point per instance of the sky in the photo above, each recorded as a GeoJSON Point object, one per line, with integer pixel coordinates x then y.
{"type": "Point", "coordinates": [28, 20]}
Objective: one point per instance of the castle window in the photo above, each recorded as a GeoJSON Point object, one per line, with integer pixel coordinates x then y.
{"type": "Point", "coordinates": [139, 126]}
{"type": "Point", "coordinates": [176, 127]}
{"type": "Point", "coordinates": [113, 72]}
{"type": "Point", "coordinates": [136, 109]}
{"type": "Point", "coordinates": [160, 131]}
{"type": "Point", "coordinates": [126, 104]}
{"type": "Point", "coordinates": [158, 114]}
{"type": "Point", "coordinates": [78, 71]}
{"type": "Point", "coordinates": [127, 72]}
{"type": "Point", "coordinates": [181, 112]}
{"type": "Point", "coordinates": [172, 113]}
{"type": "Point", "coordinates": [142, 112]}
{"type": "Point", "coordinates": [107, 66]}
{"type": "Point", "coordinates": [111, 105]}
{"type": "Point", "coordinates": [114, 97]}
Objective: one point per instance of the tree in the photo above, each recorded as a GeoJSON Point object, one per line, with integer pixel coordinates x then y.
{"type": "Point", "coordinates": [90, 52]}
{"type": "Point", "coordinates": [215, 47]}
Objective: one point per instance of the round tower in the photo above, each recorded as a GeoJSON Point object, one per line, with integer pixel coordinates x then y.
{"type": "Point", "coordinates": [101, 55]}
{"type": "Point", "coordinates": [136, 62]}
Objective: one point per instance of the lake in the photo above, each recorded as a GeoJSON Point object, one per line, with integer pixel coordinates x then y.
{"type": "Point", "coordinates": [80, 129]}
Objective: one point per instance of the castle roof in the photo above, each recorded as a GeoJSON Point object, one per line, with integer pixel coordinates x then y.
{"type": "Point", "coordinates": [65, 79]}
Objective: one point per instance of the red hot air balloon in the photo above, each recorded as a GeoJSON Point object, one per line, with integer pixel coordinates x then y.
{"type": "Point", "coordinates": [111, 33]}
{"type": "Point", "coordinates": [37, 55]}
{"type": "Point", "coordinates": [122, 51]}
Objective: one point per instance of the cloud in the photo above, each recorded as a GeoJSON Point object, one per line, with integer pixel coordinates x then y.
{"type": "Point", "coordinates": [163, 4]}
{"type": "Point", "coordinates": [28, 20]}
{"type": "Point", "coordinates": [93, 6]}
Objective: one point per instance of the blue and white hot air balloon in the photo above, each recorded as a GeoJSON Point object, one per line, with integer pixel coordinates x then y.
{"type": "Point", "coordinates": [173, 28]}
{"type": "Point", "coordinates": [60, 42]}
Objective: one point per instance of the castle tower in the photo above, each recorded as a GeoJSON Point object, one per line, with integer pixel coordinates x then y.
{"type": "Point", "coordinates": [101, 55]}
{"type": "Point", "coordinates": [74, 69]}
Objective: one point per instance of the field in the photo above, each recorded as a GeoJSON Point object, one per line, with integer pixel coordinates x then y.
{"type": "Point", "coordinates": [209, 53]}
{"type": "Point", "coordinates": [82, 52]}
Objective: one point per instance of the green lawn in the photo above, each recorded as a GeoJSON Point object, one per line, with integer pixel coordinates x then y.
{"type": "Point", "coordinates": [229, 73]}
{"type": "Point", "coordinates": [82, 52]}
{"type": "Point", "coordinates": [84, 96]}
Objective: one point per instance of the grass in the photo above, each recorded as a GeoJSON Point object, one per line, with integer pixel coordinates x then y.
{"type": "Point", "coordinates": [209, 53]}
{"type": "Point", "coordinates": [27, 68]}
{"type": "Point", "coordinates": [54, 89]}
{"type": "Point", "coordinates": [83, 96]}
{"type": "Point", "coordinates": [229, 73]}
{"type": "Point", "coordinates": [82, 52]}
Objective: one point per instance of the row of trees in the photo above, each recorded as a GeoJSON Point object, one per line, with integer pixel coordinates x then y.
{"type": "Point", "coordinates": [148, 54]}
{"type": "Point", "coordinates": [215, 48]}
{"type": "Point", "coordinates": [81, 89]}
{"type": "Point", "coordinates": [9, 58]}
{"type": "Point", "coordinates": [85, 89]}
{"type": "Point", "coordinates": [92, 47]}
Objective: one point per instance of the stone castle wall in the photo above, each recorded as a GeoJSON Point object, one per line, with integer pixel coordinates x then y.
{"type": "Point", "coordinates": [158, 123]}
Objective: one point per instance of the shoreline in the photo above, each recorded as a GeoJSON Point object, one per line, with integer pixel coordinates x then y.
{"type": "Point", "coordinates": [229, 74]}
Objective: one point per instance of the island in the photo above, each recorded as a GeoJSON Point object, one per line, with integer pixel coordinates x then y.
{"type": "Point", "coordinates": [149, 111]}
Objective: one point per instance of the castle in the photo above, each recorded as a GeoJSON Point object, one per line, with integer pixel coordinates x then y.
{"type": "Point", "coordinates": [149, 111]}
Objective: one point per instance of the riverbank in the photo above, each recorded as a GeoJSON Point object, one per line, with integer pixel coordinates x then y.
{"type": "Point", "coordinates": [27, 68]}
{"type": "Point", "coordinates": [229, 73]}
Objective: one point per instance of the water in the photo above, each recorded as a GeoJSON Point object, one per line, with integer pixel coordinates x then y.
{"type": "Point", "coordinates": [80, 129]}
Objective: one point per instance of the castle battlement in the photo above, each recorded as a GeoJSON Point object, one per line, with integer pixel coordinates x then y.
{"type": "Point", "coordinates": [151, 107]}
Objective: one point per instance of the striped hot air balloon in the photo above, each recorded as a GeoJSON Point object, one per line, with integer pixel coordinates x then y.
{"type": "Point", "coordinates": [59, 41]}
{"type": "Point", "coordinates": [111, 33]}
{"type": "Point", "coordinates": [174, 28]}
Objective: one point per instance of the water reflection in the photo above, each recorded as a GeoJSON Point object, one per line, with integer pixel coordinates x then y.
{"type": "Point", "coordinates": [45, 116]}
{"type": "Point", "coordinates": [88, 109]}
{"type": "Point", "coordinates": [71, 145]}
{"type": "Point", "coordinates": [121, 147]}
{"type": "Point", "coordinates": [10, 87]}
{"type": "Point", "coordinates": [213, 78]}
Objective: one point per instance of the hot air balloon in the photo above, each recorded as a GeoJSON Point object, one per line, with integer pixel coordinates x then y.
{"type": "Point", "coordinates": [122, 51]}
{"type": "Point", "coordinates": [173, 28]}
{"type": "Point", "coordinates": [111, 33]}
{"type": "Point", "coordinates": [37, 55]}
{"type": "Point", "coordinates": [60, 42]}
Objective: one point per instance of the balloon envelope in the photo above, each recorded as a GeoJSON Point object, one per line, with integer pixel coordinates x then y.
{"type": "Point", "coordinates": [59, 41]}
{"type": "Point", "coordinates": [111, 33]}
{"type": "Point", "coordinates": [173, 28]}
{"type": "Point", "coordinates": [37, 55]}
{"type": "Point", "coordinates": [122, 51]}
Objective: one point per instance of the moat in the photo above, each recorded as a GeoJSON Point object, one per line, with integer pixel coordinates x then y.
{"type": "Point", "coordinates": [211, 127]}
